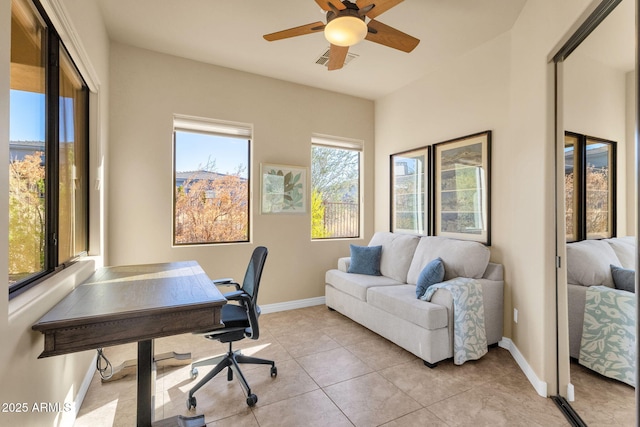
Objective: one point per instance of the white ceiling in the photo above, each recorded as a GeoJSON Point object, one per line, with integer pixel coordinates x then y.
{"type": "Point", "coordinates": [229, 33]}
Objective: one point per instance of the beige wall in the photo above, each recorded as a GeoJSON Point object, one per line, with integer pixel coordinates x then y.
{"type": "Point", "coordinates": [24, 377]}
{"type": "Point", "coordinates": [506, 86]}
{"type": "Point", "coordinates": [147, 89]}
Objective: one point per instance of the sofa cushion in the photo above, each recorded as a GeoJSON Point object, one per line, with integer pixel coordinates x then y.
{"type": "Point", "coordinates": [588, 263]}
{"type": "Point", "coordinates": [461, 258]}
{"type": "Point", "coordinates": [624, 278]}
{"type": "Point", "coordinates": [356, 285]}
{"type": "Point", "coordinates": [625, 249]}
{"type": "Point", "coordinates": [397, 253]}
{"type": "Point", "coordinates": [431, 274]}
{"type": "Point", "coordinates": [365, 260]}
{"type": "Point", "coordinates": [400, 301]}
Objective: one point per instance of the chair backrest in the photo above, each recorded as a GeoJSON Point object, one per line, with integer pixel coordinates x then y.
{"type": "Point", "coordinates": [250, 285]}
{"type": "Point", "coordinates": [252, 277]}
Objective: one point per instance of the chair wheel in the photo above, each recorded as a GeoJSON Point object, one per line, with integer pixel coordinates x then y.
{"type": "Point", "coordinates": [194, 373]}
{"type": "Point", "coordinates": [274, 372]}
{"type": "Point", "coordinates": [252, 399]}
{"type": "Point", "coordinates": [191, 402]}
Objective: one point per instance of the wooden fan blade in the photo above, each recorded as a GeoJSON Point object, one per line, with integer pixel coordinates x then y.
{"type": "Point", "coordinates": [324, 4]}
{"type": "Point", "coordinates": [337, 55]}
{"type": "Point", "coordinates": [389, 36]}
{"type": "Point", "coordinates": [381, 6]}
{"type": "Point", "coordinates": [296, 31]}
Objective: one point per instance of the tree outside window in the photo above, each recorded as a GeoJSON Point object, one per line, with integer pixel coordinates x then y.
{"type": "Point", "coordinates": [48, 152]}
{"type": "Point", "coordinates": [335, 185]}
{"type": "Point", "coordinates": [211, 185]}
{"type": "Point", "coordinates": [590, 189]}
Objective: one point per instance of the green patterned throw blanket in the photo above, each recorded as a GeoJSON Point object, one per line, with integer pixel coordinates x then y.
{"type": "Point", "coordinates": [470, 339]}
{"type": "Point", "coordinates": [608, 333]}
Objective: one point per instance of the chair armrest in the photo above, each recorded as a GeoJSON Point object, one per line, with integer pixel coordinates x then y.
{"type": "Point", "coordinates": [237, 296]}
{"type": "Point", "coordinates": [226, 282]}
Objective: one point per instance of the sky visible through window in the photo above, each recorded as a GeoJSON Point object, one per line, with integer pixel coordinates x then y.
{"type": "Point", "coordinates": [26, 108]}
{"type": "Point", "coordinates": [193, 151]}
{"type": "Point", "coordinates": [27, 117]}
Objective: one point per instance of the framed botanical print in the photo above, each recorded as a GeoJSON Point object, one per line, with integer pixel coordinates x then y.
{"type": "Point", "coordinates": [410, 191]}
{"type": "Point", "coordinates": [462, 188]}
{"type": "Point", "coordinates": [284, 189]}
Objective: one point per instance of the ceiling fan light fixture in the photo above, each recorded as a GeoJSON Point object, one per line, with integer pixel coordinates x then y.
{"type": "Point", "coordinates": [345, 31]}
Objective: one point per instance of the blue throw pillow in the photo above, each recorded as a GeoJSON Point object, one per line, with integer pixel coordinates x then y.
{"type": "Point", "coordinates": [623, 278]}
{"type": "Point", "coordinates": [431, 274]}
{"type": "Point", "coordinates": [365, 260]}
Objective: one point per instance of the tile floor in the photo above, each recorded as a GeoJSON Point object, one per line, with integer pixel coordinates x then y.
{"type": "Point", "coordinates": [331, 372]}
{"type": "Point", "coordinates": [602, 401]}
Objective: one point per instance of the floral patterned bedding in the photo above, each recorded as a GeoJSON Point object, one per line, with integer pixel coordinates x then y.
{"type": "Point", "coordinates": [608, 334]}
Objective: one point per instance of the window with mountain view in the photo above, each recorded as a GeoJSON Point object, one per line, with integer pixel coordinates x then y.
{"type": "Point", "coordinates": [211, 181]}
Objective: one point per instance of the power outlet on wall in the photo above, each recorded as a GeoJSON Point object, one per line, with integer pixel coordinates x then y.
{"type": "Point", "coordinates": [515, 315]}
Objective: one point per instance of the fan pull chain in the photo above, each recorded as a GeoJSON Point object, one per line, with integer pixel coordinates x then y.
{"type": "Point", "coordinates": [107, 365]}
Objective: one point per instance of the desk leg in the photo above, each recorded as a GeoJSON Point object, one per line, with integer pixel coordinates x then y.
{"type": "Point", "coordinates": [146, 384]}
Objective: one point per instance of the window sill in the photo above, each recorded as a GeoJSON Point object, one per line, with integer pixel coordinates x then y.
{"type": "Point", "coordinates": [54, 288]}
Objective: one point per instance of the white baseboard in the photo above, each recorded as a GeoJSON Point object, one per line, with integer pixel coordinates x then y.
{"type": "Point", "coordinates": [571, 396]}
{"type": "Point", "coordinates": [291, 305]}
{"type": "Point", "coordinates": [539, 385]}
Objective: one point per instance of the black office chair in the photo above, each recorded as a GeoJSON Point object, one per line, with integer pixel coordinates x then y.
{"type": "Point", "coordinates": [240, 321]}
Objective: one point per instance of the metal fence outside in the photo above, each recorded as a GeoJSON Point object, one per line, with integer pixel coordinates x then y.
{"type": "Point", "coordinates": [342, 219]}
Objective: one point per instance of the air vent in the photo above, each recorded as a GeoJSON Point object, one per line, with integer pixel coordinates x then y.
{"type": "Point", "coordinates": [324, 58]}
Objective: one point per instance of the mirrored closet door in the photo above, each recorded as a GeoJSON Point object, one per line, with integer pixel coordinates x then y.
{"type": "Point", "coordinates": [596, 118]}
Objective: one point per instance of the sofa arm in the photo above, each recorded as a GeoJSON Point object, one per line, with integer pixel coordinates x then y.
{"type": "Point", "coordinates": [344, 263]}
{"type": "Point", "coordinates": [576, 296]}
{"type": "Point", "coordinates": [494, 272]}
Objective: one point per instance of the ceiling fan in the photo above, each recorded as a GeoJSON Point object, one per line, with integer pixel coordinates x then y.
{"type": "Point", "coordinates": [346, 26]}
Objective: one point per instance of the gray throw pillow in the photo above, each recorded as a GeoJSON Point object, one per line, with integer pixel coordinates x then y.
{"type": "Point", "coordinates": [365, 260]}
{"type": "Point", "coordinates": [431, 274]}
{"type": "Point", "coordinates": [624, 278]}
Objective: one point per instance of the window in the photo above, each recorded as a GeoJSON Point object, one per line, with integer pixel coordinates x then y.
{"type": "Point", "coordinates": [590, 190]}
{"type": "Point", "coordinates": [211, 176]}
{"type": "Point", "coordinates": [48, 151]}
{"type": "Point", "coordinates": [410, 191]}
{"type": "Point", "coordinates": [335, 187]}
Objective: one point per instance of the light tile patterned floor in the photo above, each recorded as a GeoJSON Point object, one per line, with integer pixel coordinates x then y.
{"type": "Point", "coordinates": [331, 372]}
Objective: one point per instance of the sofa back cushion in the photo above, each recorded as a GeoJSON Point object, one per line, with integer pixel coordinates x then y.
{"type": "Point", "coordinates": [625, 249]}
{"type": "Point", "coordinates": [461, 258]}
{"type": "Point", "coordinates": [589, 263]}
{"type": "Point", "coordinates": [397, 253]}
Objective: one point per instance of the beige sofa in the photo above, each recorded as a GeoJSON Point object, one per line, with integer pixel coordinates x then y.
{"type": "Point", "coordinates": [387, 304]}
{"type": "Point", "coordinates": [588, 264]}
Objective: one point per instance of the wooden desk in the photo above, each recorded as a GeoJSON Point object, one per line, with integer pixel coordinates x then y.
{"type": "Point", "coordinates": [125, 304]}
